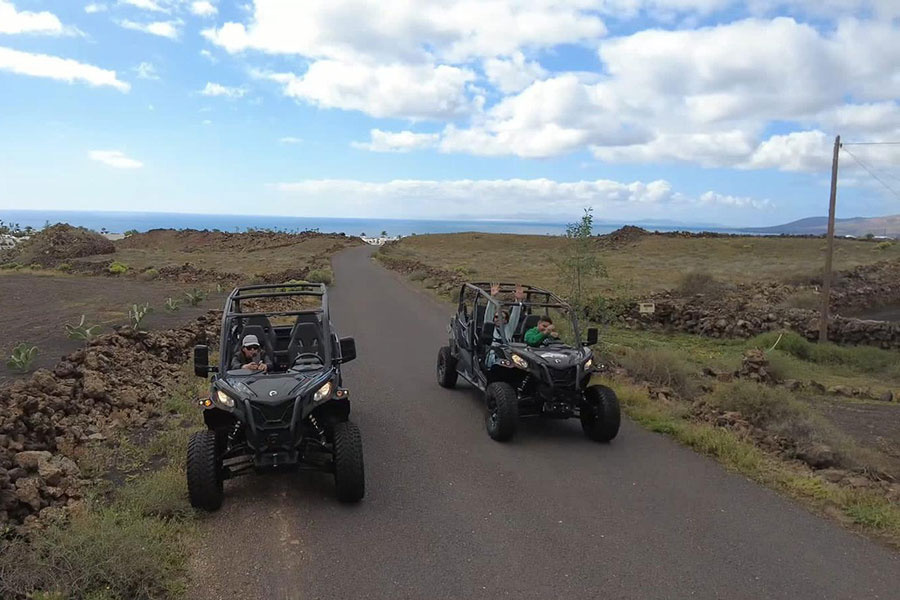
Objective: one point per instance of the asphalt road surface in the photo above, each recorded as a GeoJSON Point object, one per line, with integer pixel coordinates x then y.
{"type": "Point", "coordinates": [449, 513]}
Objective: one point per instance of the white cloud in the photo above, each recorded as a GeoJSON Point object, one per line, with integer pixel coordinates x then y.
{"type": "Point", "coordinates": [166, 29]}
{"type": "Point", "coordinates": [501, 198]}
{"type": "Point", "coordinates": [151, 5]}
{"type": "Point", "coordinates": [514, 73]}
{"type": "Point", "coordinates": [216, 89]}
{"type": "Point", "coordinates": [94, 8]}
{"type": "Point", "coordinates": [146, 70]}
{"type": "Point", "coordinates": [290, 140]}
{"type": "Point", "coordinates": [61, 69]}
{"type": "Point", "coordinates": [400, 141]}
{"type": "Point", "coordinates": [550, 117]}
{"type": "Point", "coordinates": [115, 159]}
{"type": "Point", "coordinates": [394, 90]}
{"type": "Point", "coordinates": [402, 31]}
{"type": "Point", "coordinates": [203, 9]}
{"type": "Point", "coordinates": [14, 22]}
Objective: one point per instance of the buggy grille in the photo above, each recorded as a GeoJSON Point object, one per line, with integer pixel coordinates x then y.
{"type": "Point", "coordinates": [274, 413]}
{"type": "Point", "coordinates": [565, 376]}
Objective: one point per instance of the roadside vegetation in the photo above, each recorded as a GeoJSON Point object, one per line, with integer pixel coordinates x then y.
{"type": "Point", "coordinates": [129, 539]}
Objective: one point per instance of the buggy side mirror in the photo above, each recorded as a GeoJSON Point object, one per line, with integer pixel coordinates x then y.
{"type": "Point", "coordinates": [348, 349]}
{"type": "Point", "coordinates": [592, 336]}
{"type": "Point", "coordinates": [201, 361]}
{"type": "Point", "coordinates": [487, 333]}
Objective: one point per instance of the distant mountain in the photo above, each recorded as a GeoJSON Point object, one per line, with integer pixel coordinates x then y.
{"type": "Point", "coordinates": [857, 226]}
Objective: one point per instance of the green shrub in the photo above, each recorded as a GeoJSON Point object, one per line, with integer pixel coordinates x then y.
{"type": "Point", "coordinates": [64, 267]}
{"type": "Point", "coordinates": [131, 232]}
{"type": "Point", "coordinates": [11, 265]}
{"type": "Point", "coordinates": [606, 309]}
{"type": "Point", "coordinates": [195, 296]}
{"type": "Point", "coordinates": [172, 305]}
{"type": "Point", "coordinates": [660, 366]}
{"type": "Point", "coordinates": [21, 358]}
{"type": "Point", "coordinates": [698, 283]}
{"type": "Point", "coordinates": [418, 275]}
{"type": "Point", "coordinates": [136, 314]}
{"type": "Point", "coordinates": [102, 554]}
{"type": "Point", "coordinates": [81, 331]}
{"type": "Point", "coordinates": [35, 266]}
{"type": "Point", "coordinates": [148, 274]}
{"type": "Point", "coordinates": [883, 245]}
{"type": "Point", "coordinates": [320, 276]}
{"type": "Point", "coordinates": [117, 268]}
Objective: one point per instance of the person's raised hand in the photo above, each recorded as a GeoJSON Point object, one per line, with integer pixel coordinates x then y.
{"type": "Point", "coordinates": [495, 289]}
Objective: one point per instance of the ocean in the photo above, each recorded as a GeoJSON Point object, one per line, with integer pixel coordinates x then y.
{"type": "Point", "coordinates": [120, 222]}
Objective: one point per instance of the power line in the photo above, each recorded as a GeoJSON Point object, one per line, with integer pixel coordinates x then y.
{"type": "Point", "coordinates": [870, 172]}
{"type": "Point", "coordinates": [870, 143]}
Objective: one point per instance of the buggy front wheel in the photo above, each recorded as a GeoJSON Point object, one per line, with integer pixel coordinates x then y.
{"type": "Point", "coordinates": [349, 475]}
{"type": "Point", "coordinates": [446, 368]}
{"type": "Point", "coordinates": [600, 413]}
{"type": "Point", "coordinates": [502, 411]}
{"type": "Point", "coordinates": [204, 471]}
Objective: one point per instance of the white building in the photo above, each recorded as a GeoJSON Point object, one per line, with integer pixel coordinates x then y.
{"type": "Point", "coordinates": [379, 241]}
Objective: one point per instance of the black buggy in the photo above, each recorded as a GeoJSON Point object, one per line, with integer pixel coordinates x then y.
{"type": "Point", "coordinates": [296, 415]}
{"type": "Point", "coordinates": [550, 381]}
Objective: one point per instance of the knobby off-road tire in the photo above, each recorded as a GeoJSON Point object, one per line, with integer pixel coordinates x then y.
{"type": "Point", "coordinates": [349, 474]}
{"type": "Point", "coordinates": [446, 368]}
{"type": "Point", "coordinates": [502, 415]}
{"type": "Point", "coordinates": [204, 471]}
{"type": "Point", "coordinates": [600, 414]}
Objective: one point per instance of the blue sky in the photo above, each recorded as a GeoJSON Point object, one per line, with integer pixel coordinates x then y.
{"type": "Point", "coordinates": [692, 110]}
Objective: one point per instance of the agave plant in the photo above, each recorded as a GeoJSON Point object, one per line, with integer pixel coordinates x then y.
{"type": "Point", "coordinates": [172, 305]}
{"type": "Point", "coordinates": [22, 357]}
{"type": "Point", "coordinates": [137, 313]}
{"type": "Point", "coordinates": [195, 297]}
{"type": "Point", "coordinates": [81, 331]}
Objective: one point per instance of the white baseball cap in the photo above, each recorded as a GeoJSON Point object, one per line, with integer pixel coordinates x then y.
{"type": "Point", "coordinates": [250, 340]}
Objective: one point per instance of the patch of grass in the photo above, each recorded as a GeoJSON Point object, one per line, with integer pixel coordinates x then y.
{"type": "Point", "coordinates": [101, 553]}
{"type": "Point", "coordinates": [320, 276]}
{"type": "Point", "coordinates": [865, 359]}
{"type": "Point", "coordinates": [419, 275]}
{"type": "Point", "coordinates": [195, 296]}
{"type": "Point", "coordinates": [807, 299]}
{"type": "Point", "coordinates": [161, 494]}
{"type": "Point", "coordinates": [660, 366]}
{"type": "Point", "coordinates": [64, 267]}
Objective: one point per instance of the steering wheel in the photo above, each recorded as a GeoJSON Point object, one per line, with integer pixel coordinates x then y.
{"type": "Point", "coordinates": [308, 355]}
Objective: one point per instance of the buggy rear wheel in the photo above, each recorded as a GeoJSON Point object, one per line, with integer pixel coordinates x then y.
{"type": "Point", "coordinates": [446, 368]}
{"type": "Point", "coordinates": [349, 475]}
{"type": "Point", "coordinates": [204, 471]}
{"type": "Point", "coordinates": [502, 411]}
{"type": "Point", "coordinates": [600, 414]}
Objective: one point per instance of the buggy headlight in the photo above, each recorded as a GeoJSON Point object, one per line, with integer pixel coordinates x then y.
{"type": "Point", "coordinates": [322, 393]}
{"type": "Point", "coordinates": [224, 399]}
{"type": "Point", "coordinates": [589, 363]}
{"type": "Point", "coordinates": [519, 361]}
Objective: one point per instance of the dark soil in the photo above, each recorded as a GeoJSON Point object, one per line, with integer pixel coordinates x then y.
{"type": "Point", "coordinates": [37, 307]}
{"type": "Point", "coordinates": [876, 425]}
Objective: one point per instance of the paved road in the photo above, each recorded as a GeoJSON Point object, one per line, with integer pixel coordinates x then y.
{"type": "Point", "coordinates": [451, 514]}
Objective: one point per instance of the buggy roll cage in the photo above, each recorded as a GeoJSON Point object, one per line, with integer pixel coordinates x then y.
{"type": "Point", "coordinates": [546, 299]}
{"type": "Point", "coordinates": [272, 290]}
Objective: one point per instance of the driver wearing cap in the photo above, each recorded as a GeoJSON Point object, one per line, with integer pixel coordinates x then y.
{"type": "Point", "coordinates": [251, 357]}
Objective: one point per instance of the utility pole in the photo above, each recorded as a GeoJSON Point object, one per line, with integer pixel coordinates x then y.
{"type": "Point", "coordinates": [829, 252]}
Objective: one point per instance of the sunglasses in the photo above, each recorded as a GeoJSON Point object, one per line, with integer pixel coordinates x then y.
{"type": "Point", "coordinates": [254, 347]}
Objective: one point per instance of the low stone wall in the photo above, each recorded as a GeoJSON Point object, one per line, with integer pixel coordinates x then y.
{"type": "Point", "coordinates": [727, 322]}
{"type": "Point", "coordinates": [118, 380]}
